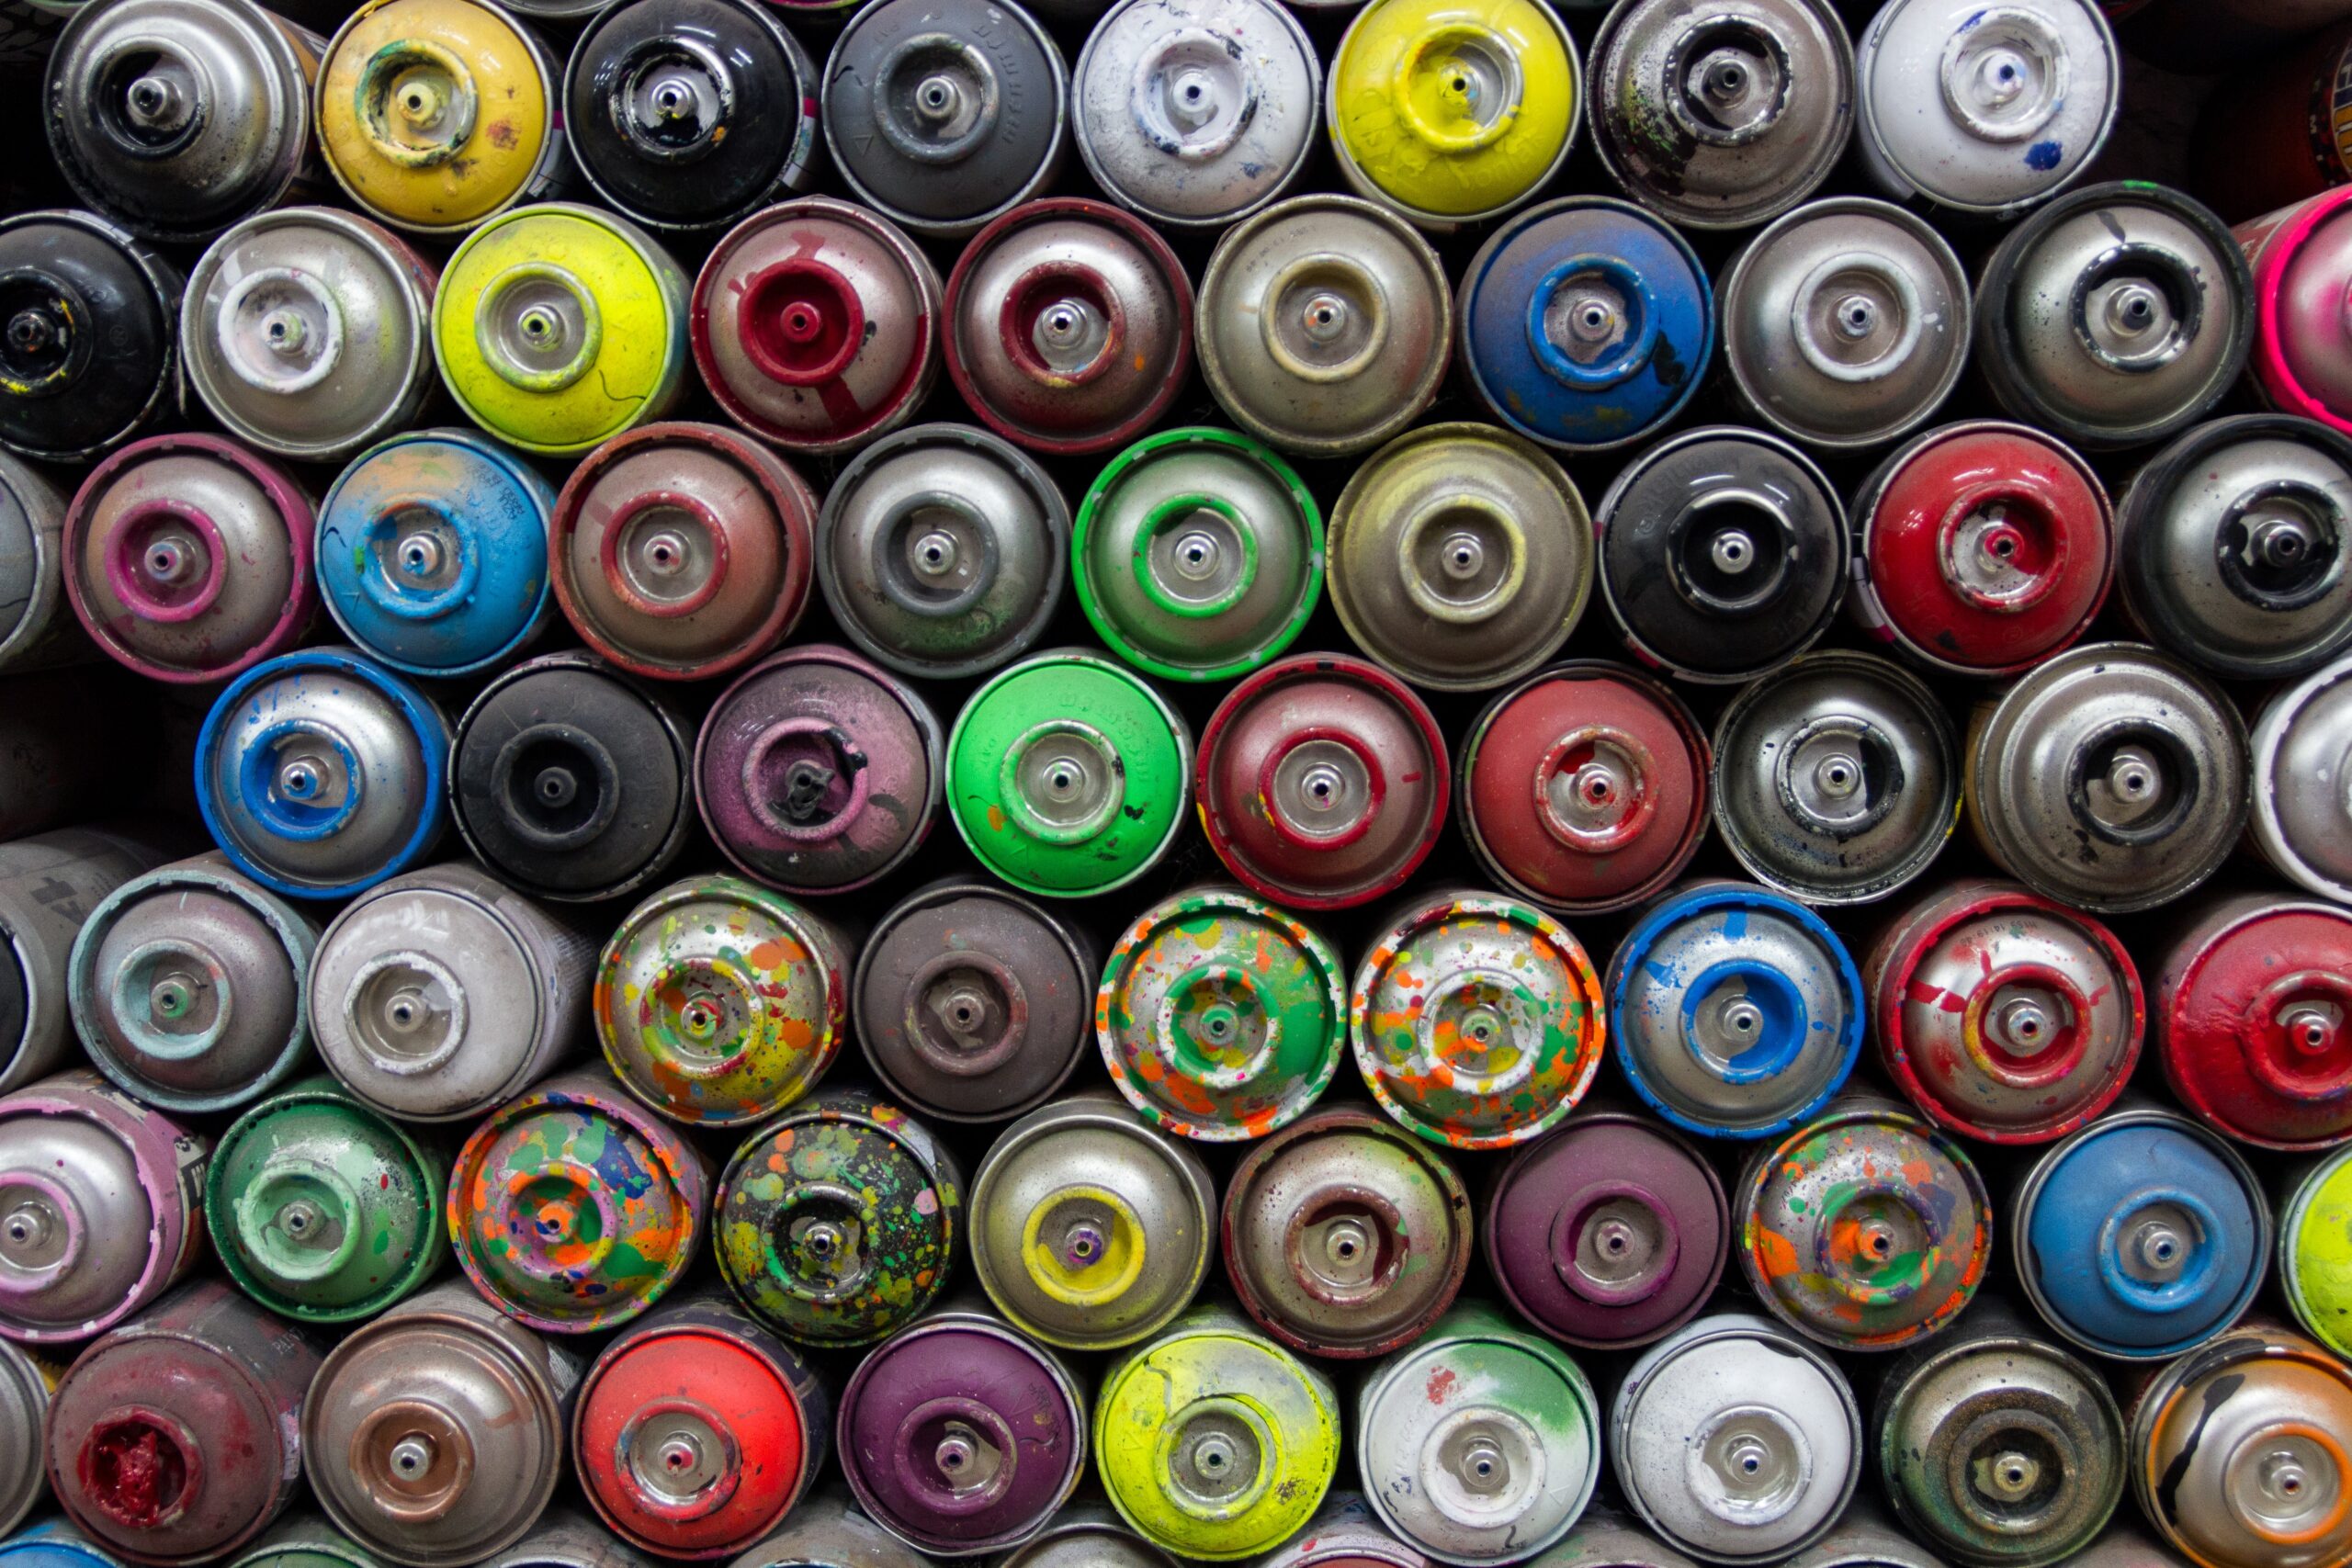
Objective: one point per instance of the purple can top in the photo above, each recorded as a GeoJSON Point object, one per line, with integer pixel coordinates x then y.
{"type": "Point", "coordinates": [959, 1436]}
{"type": "Point", "coordinates": [1609, 1233]}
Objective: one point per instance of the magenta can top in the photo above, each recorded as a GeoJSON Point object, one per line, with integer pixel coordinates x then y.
{"type": "Point", "coordinates": [2301, 260]}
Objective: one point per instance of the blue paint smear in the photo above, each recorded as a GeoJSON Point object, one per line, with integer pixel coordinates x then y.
{"type": "Point", "coordinates": [2045, 155]}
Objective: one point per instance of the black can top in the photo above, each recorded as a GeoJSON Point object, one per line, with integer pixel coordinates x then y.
{"type": "Point", "coordinates": [87, 335]}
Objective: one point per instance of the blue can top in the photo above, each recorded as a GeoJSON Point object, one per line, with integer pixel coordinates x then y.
{"type": "Point", "coordinates": [55, 1545]}
{"type": "Point", "coordinates": [2142, 1238]}
{"type": "Point", "coordinates": [1586, 322]}
{"type": "Point", "coordinates": [433, 552]}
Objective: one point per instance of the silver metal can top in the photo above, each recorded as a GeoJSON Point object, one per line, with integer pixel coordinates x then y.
{"type": "Point", "coordinates": [2304, 735]}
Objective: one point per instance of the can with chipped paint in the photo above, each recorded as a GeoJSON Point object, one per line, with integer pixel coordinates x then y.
{"type": "Point", "coordinates": [719, 1003]}
{"type": "Point", "coordinates": [99, 1203]}
{"type": "Point", "coordinates": [559, 327]}
{"type": "Point", "coordinates": [187, 558]}
{"type": "Point", "coordinates": [1322, 782]}
{"type": "Point", "coordinates": [89, 337]}
{"type": "Point", "coordinates": [2301, 260]}
{"type": "Point", "coordinates": [1476, 1020]}
{"type": "Point", "coordinates": [306, 333]}
{"type": "Point", "coordinates": [1069, 325]}
{"type": "Point", "coordinates": [2237, 1451]}
{"type": "Point", "coordinates": [816, 324]}
{"type": "Point", "coordinates": [697, 1431]}
{"type": "Point", "coordinates": [323, 1210]}
{"type": "Point", "coordinates": [1723, 554]}
{"type": "Point", "coordinates": [1738, 1012]}
{"type": "Point", "coordinates": [567, 1537]}
{"type": "Point", "coordinates": [1461, 556]}
{"type": "Point", "coordinates": [1845, 324]}
{"type": "Point", "coordinates": [1324, 324]}
{"type": "Point", "coordinates": [1605, 1539]}
{"type": "Point", "coordinates": [24, 1385]}
{"type": "Point", "coordinates": [445, 1421]}
{"type": "Point", "coordinates": [2274, 131]}
{"type": "Point", "coordinates": [1344, 1533]}
{"type": "Point", "coordinates": [1068, 774]}
{"type": "Point", "coordinates": [2110, 777]}
{"type": "Point", "coordinates": [187, 986]}
{"type": "Point", "coordinates": [1998, 1447]}
{"type": "Point", "coordinates": [2315, 1248]}
{"type": "Point", "coordinates": [2116, 316]}
{"type": "Point", "coordinates": [942, 550]}
{"type": "Point", "coordinates": [177, 118]}
{"type": "Point", "coordinates": [1212, 1441]}
{"type": "Point", "coordinates": [691, 114]}
{"type": "Point", "coordinates": [1479, 1443]}
{"type": "Point", "coordinates": [1836, 779]}
{"type": "Point", "coordinates": [571, 780]}
{"type": "Point", "coordinates": [682, 551]}
{"type": "Point", "coordinates": [55, 1543]}
{"type": "Point", "coordinates": [2302, 733]}
{"type": "Point", "coordinates": [1979, 112]}
{"type": "Point", "coordinates": [2253, 1019]}
{"type": "Point", "coordinates": [2235, 541]}
{"type": "Point", "coordinates": [1343, 1237]}
{"type": "Point", "coordinates": [1981, 547]}
{"type": "Point", "coordinates": [837, 1223]}
{"type": "Point", "coordinates": [1452, 114]}
{"type": "Point", "coordinates": [2003, 1016]}
{"type": "Point", "coordinates": [2141, 1236]}
{"type": "Point", "coordinates": [960, 1437]}
{"type": "Point", "coordinates": [1093, 1228]}
{"type": "Point", "coordinates": [1722, 118]}
{"type": "Point", "coordinates": [303, 1540]}
{"type": "Point", "coordinates": [49, 884]}
{"type": "Point", "coordinates": [37, 625]}
{"type": "Point", "coordinates": [1584, 787]}
{"type": "Point", "coordinates": [1865, 1228]}
{"type": "Point", "coordinates": [437, 116]}
{"type": "Point", "coordinates": [828, 1531]}
{"type": "Point", "coordinates": [1086, 1534]}
{"type": "Point", "coordinates": [972, 1003]}
{"type": "Point", "coordinates": [1585, 323]}
{"type": "Point", "coordinates": [1198, 554]}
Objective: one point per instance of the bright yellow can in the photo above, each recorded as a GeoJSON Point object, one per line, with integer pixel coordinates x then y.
{"type": "Point", "coordinates": [437, 114]}
{"type": "Point", "coordinates": [2315, 1250]}
{"type": "Point", "coordinates": [1453, 110]}
{"type": "Point", "coordinates": [559, 327]}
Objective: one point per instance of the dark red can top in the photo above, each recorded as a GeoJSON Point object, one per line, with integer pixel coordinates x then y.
{"type": "Point", "coordinates": [2253, 1021]}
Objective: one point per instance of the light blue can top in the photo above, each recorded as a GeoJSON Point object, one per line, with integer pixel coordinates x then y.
{"type": "Point", "coordinates": [54, 1544]}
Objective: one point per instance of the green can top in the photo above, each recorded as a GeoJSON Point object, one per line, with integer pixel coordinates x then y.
{"type": "Point", "coordinates": [2316, 1251]}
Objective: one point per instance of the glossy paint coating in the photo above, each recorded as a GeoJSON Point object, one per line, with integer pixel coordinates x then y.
{"type": "Point", "coordinates": [2250, 1017]}
{"type": "Point", "coordinates": [69, 393]}
{"type": "Point", "coordinates": [2315, 1249]}
{"type": "Point", "coordinates": [2301, 260]}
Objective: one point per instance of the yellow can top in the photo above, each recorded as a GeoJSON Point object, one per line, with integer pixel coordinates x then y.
{"type": "Point", "coordinates": [434, 113]}
{"type": "Point", "coordinates": [2316, 1242]}
{"type": "Point", "coordinates": [1454, 109]}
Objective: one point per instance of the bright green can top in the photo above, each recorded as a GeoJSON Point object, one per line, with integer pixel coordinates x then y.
{"type": "Point", "coordinates": [1068, 775]}
{"type": "Point", "coordinates": [1198, 554]}
{"type": "Point", "coordinates": [2316, 1251]}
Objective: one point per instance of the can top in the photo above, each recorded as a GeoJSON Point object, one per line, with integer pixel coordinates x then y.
{"type": "Point", "coordinates": [78, 1160]}
{"type": "Point", "coordinates": [2315, 1250]}
{"type": "Point", "coordinates": [2302, 733]}
{"type": "Point", "coordinates": [2304, 354]}
{"type": "Point", "coordinates": [86, 270]}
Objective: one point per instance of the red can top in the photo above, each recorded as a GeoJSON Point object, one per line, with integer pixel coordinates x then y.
{"type": "Point", "coordinates": [2253, 1021]}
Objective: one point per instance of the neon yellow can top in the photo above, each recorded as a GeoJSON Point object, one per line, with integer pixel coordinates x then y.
{"type": "Point", "coordinates": [435, 114]}
{"type": "Point", "coordinates": [2316, 1251]}
{"type": "Point", "coordinates": [558, 326]}
{"type": "Point", "coordinates": [1453, 109]}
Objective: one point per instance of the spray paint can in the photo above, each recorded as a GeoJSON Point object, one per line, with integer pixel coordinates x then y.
{"type": "Point", "coordinates": [682, 551]}
{"type": "Point", "coordinates": [2315, 1247]}
{"type": "Point", "coordinates": [1343, 1237]}
{"type": "Point", "coordinates": [306, 333]}
{"type": "Point", "coordinates": [691, 114]}
{"type": "Point", "coordinates": [452, 1417]}
{"type": "Point", "coordinates": [1723, 554]}
{"type": "Point", "coordinates": [1845, 324]}
{"type": "Point", "coordinates": [2301, 260]}
{"type": "Point", "coordinates": [1322, 780]}
{"type": "Point", "coordinates": [1325, 323]}
{"type": "Point", "coordinates": [815, 325]}
{"type": "Point", "coordinates": [2300, 734]}
{"type": "Point", "coordinates": [1069, 325]}
{"type": "Point", "coordinates": [55, 1543]}
{"type": "Point", "coordinates": [1460, 555]}
{"type": "Point", "coordinates": [829, 1531]}
{"type": "Point", "coordinates": [570, 780]}
{"type": "Point", "coordinates": [1720, 121]}
{"type": "Point", "coordinates": [303, 1540]}
{"type": "Point", "coordinates": [1837, 779]}
{"type": "Point", "coordinates": [2273, 133]}
{"type": "Point", "coordinates": [943, 550]}
{"type": "Point", "coordinates": [187, 558]}
{"type": "Point", "coordinates": [2125, 1544]}
{"type": "Point", "coordinates": [836, 1222]}
{"type": "Point", "coordinates": [1068, 774]}
{"type": "Point", "coordinates": [960, 1437]}
{"type": "Point", "coordinates": [1086, 1534]}
{"type": "Point", "coordinates": [1093, 1228]}
{"type": "Point", "coordinates": [719, 1003]}
{"type": "Point", "coordinates": [2141, 1236]}
{"type": "Point", "coordinates": [2117, 748]}
{"type": "Point", "coordinates": [1344, 1533]}
{"type": "Point", "coordinates": [1585, 323]}
{"type": "Point", "coordinates": [1603, 1537]}
{"type": "Point", "coordinates": [2253, 1000]}
{"type": "Point", "coordinates": [89, 337]}
{"type": "Point", "coordinates": [2004, 1017]}
{"type": "Point", "coordinates": [323, 1210]}
{"type": "Point", "coordinates": [818, 773]}
{"type": "Point", "coordinates": [567, 1537]}
{"type": "Point", "coordinates": [1865, 1538]}
{"type": "Point", "coordinates": [1738, 1012]}
{"type": "Point", "coordinates": [37, 626]}
{"type": "Point", "coordinates": [1608, 1233]}
{"type": "Point", "coordinates": [49, 884]}
{"type": "Point", "coordinates": [1981, 548]}
{"type": "Point", "coordinates": [24, 1385]}
{"type": "Point", "coordinates": [697, 1431]}
{"type": "Point", "coordinates": [1476, 1020]}
{"type": "Point", "coordinates": [1619, 770]}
